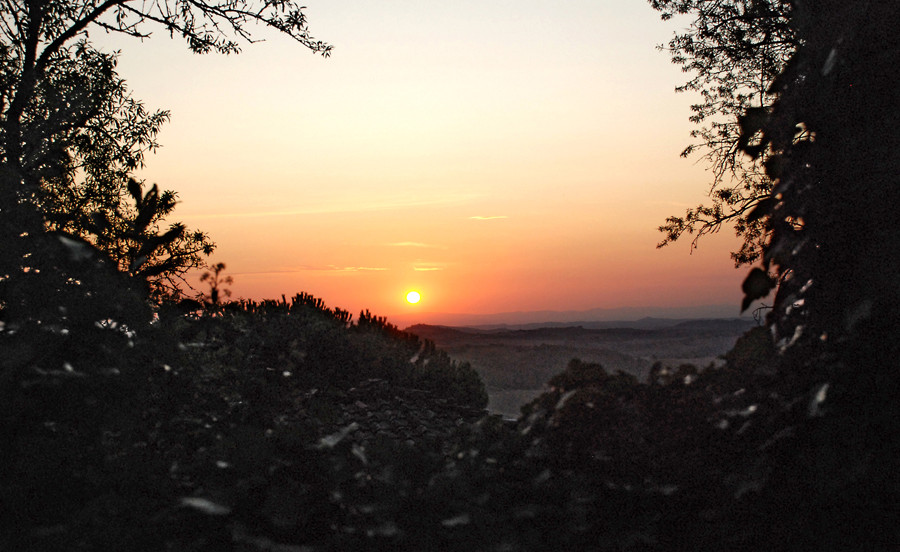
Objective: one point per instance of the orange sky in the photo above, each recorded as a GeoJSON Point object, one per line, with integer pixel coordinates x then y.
{"type": "Point", "coordinates": [495, 156]}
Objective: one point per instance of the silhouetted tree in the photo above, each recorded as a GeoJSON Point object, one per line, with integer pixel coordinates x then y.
{"type": "Point", "coordinates": [102, 134]}
{"type": "Point", "coordinates": [36, 34]}
{"type": "Point", "coordinates": [70, 134]}
{"type": "Point", "coordinates": [733, 50]}
{"type": "Point", "coordinates": [216, 281]}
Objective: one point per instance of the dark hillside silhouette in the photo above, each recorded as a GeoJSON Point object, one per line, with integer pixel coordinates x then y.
{"type": "Point", "coordinates": [215, 412]}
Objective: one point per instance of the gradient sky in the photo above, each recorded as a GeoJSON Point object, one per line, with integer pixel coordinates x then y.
{"type": "Point", "coordinates": [495, 156]}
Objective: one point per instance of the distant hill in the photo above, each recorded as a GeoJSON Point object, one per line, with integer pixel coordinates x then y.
{"type": "Point", "coordinates": [659, 326]}
{"type": "Point", "coordinates": [646, 323]}
{"type": "Point", "coordinates": [621, 317]}
{"type": "Point", "coordinates": [516, 362]}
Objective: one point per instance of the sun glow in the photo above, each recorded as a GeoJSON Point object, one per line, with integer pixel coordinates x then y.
{"type": "Point", "coordinates": [413, 297]}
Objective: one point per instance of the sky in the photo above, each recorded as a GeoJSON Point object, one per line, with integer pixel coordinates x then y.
{"type": "Point", "coordinates": [494, 156]}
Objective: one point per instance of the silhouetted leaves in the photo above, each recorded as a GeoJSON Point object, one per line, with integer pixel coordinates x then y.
{"type": "Point", "coordinates": [763, 209]}
{"type": "Point", "coordinates": [757, 284]}
{"type": "Point", "coordinates": [733, 51]}
{"type": "Point", "coordinates": [751, 126]}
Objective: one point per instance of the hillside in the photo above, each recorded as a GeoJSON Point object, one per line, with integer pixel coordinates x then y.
{"type": "Point", "coordinates": [515, 364]}
{"type": "Point", "coordinates": [596, 317]}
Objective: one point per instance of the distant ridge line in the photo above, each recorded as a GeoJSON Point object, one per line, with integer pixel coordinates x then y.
{"type": "Point", "coordinates": [647, 323]}
{"type": "Point", "coordinates": [630, 316]}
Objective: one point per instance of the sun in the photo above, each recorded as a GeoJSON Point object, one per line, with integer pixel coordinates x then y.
{"type": "Point", "coordinates": [413, 297]}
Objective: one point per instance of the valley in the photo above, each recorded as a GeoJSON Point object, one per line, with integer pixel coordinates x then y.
{"type": "Point", "coordinates": [515, 363]}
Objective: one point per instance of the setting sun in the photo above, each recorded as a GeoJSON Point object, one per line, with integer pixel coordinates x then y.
{"type": "Point", "coordinates": [413, 297]}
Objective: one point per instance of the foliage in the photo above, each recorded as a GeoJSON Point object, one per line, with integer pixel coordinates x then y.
{"type": "Point", "coordinates": [754, 351]}
{"type": "Point", "coordinates": [229, 442]}
{"type": "Point", "coordinates": [215, 280]}
{"type": "Point", "coordinates": [86, 189]}
{"type": "Point", "coordinates": [70, 133]}
{"type": "Point", "coordinates": [69, 312]}
{"type": "Point", "coordinates": [733, 51]}
{"type": "Point", "coordinates": [89, 134]}
{"type": "Point", "coordinates": [84, 135]}
{"type": "Point", "coordinates": [323, 347]}
{"type": "Point", "coordinates": [227, 430]}
{"type": "Point", "coordinates": [831, 147]}
{"type": "Point", "coordinates": [36, 36]}
{"type": "Point", "coordinates": [831, 137]}
{"type": "Point", "coordinates": [128, 231]}
{"type": "Point", "coordinates": [223, 408]}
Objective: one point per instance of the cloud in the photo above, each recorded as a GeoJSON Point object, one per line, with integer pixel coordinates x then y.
{"type": "Point", "coordinates": [428, 267]}
{"type": "Point", "coordinates": [359, 206]}
{"type": "Point", "coordinates": [410, 244]}
{"type": "Point", "coordinates": [358, 268]}
{"type": "Point", "coordinates": [309, 268]}
{"type": "Point", "coordinates": [493, 217]}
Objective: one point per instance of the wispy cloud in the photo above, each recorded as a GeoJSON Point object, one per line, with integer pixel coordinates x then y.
{"type": "Point", "coordinates": [386, 204]}
{"type": "Point", "coordinates": [310, 268]}
{"type": "Point", "coordinates": [493, 217]}
{"type": "Point", "coordinates": [358, 268]}
{"type": "Point", "coordinates": [411, 244]}
{"type": "Point", "coordinates": [428, 267]}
